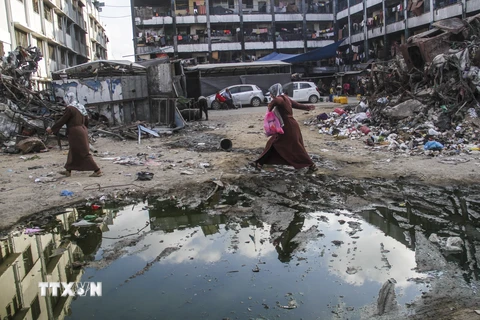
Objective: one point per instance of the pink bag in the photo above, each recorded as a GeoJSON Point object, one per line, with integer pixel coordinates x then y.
{"type": "Point", "coordinates": [271, 124]}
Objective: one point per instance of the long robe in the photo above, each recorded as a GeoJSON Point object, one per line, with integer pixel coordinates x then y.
{"type": "Point", "coordinates": [287, 148]}
{"type": "Point", "coordinates": [79, 157]}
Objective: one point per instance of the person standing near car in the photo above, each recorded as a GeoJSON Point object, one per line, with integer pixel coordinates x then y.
{"type": "Point", "coordinates": [202, 104]}
{"type": "Point", "coordinates": [228, 98]}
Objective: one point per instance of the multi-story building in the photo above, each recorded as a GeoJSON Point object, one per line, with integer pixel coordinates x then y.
{"type": "Point", "coordinates": [67, 32]}
{"type": "Point", "coordinates": [226, 30]}
{"type": "Point", "coordinates": [28, 258]}
{"type": "Point", "coordinates": [374, 29]}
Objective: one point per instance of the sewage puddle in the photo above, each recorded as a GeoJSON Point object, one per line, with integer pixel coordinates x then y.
{"type": "Point", "coordinates": [157, 261]}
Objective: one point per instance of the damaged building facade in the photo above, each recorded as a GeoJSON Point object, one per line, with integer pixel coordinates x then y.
{"type": "Point", "coordinates": [66, 32]}
{"type": "Point", "coordinates": [375, 29]}
{"type": "Point", "coordinates": [226, 31]}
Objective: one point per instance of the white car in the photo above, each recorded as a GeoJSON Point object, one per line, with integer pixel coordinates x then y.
{"type": "Point", "coordinates": [243, 94]}
{"type": "Point", "coordinates": [301, 91]}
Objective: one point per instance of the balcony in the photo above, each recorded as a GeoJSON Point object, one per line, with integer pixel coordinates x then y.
{"type": "Point", "coordinates": [358, 37]}
{"type": "Point", "coordinates": [418, 21]}
{"type": "Point", "coordinates": [154, 21]}
{"type": "Point", "coordinates": [298, 44]}
{"type": "Point", "coordinates": [396, 26]}
{"type": "Point", "coordinates": [202, 47]}
{"type": "Point", "coordinates": [288, 17]}
{"type": "Point", "coordinates": [313, 17]}
{"type": "Point", "coordinates": [234, 46]}
{"type": "Point", "coordinates": [371, 3]}
{"type": "Point", "coordinates": [448, 11]}
{"type": "Point", "coordinates": [472, 5]}
{"type": "Point", "coordinates": [356, 8]}
{"type": "Point", "coordinates": [267, 45]}
{"type": "Point", "coordinates": [156, 49]}
{"type": "Point", "coordinates": [375, 32]}
{"type": "Point", "coordinates": [318, 43]}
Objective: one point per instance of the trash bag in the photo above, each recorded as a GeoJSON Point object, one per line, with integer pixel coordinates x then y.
{"type": "Point", "coordinates": [144, 176]}
{"type": "Point", "coordinates": [271, 124]}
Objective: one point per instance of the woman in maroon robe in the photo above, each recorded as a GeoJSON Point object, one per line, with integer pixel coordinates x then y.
{"type": "Point", "coordinates": [287, 148]}
{"type": "Point", "coordinates": [76, 119]}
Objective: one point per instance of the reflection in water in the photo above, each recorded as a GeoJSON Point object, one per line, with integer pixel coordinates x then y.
{"type": "Point", "coordinates": [44, 255]}
{"type": "Point", "coordinates": [210, 274]}
{"type": "Point", "coordinates": [283, 244]}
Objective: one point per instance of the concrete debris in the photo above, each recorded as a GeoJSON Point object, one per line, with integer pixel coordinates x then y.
{"type": "Point", "coordinates": [424, 104]}
{"type": "Point", "coordinates": [386, 297]}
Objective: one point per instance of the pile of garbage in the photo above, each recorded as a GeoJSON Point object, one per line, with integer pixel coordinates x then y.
{"type": "Point", "coordinates": [425, 101]}
{"type": "Point", "coordinates": [24, 111]}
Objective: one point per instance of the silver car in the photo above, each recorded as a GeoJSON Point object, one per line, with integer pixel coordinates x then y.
{"type": "Point", "coordinates": [300, 91]}
{"type": "Point", "coordinates": [243, 94]}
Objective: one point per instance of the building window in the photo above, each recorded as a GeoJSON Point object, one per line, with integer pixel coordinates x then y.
{"type": "Point", "coordinates": [40, 45]}
{"type": "Point", "coordinates": [60, 22]}
{"type": "Point", "coordinates": [69, 27]}
{"type": "Point", "coordinates": [35, 6]}
{"type": "Point", "coordinates": [51, 52]}
{"type": "Point", "coordinates": [47, 12]}
{"type": "Point", "coordinates": [28, 260]}
{"type": "Point", "coordinates": [35, 307]}
{"type": "Point", "coordinates": [21, 38]}
{"type": "Point", "coordinates": [63, 59]}
{"type": "Point", "coordinates": [70, 59]}
{"type": "Point", "coordinates": [249, 4]}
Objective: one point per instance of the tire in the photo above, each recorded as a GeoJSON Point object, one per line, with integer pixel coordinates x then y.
{"type": "Point", "coordinates": [216, 105]}
{"type": "Point", "coordinates": [256, 102]}
{"type": "Point", "coordinates": [313, 99]}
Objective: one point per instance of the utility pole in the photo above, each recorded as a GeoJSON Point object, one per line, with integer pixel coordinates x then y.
{"type": "Point", "coordinates": [209, 31]}
{"type": "Point", "coordinates": [134, 30]}
{"type": "Point", "coordinates": [242, 40]}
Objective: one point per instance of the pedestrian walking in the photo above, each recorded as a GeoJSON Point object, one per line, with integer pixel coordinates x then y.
{"type": "Point", "coordinates": [76, 119]}
{"type": "Point", "coordinates": [286, 148]}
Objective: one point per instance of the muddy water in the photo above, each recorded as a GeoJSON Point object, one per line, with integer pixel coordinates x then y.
{"type": "Point", "coordinates": [227, 268]}
{"type": "Point", "coordinates": [159, 259]}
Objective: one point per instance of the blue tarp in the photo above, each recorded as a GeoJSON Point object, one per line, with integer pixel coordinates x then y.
{"type": "Point", "coordinates": [314, 55]}
{"type": "Point", "coordinates": [275, 56]}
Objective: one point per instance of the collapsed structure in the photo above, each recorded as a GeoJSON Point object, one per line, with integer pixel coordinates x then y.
{"type": "Point", "coordinates": [428, 96]}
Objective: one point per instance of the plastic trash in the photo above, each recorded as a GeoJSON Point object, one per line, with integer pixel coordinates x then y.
{"type": "Point", "coordinates": [32, 230]}
{"type": "Point", "coordinates": [322, 116]}
{"type": "Point", "coordinates": [433, 132]}
{"type": "Point", "coordinates": [364, 129]}
{"type": "Point", "coordinates": [45, 179]}
{"type": "Point", "coordinates": [82, 223]}
{"type": "Point", "coordinates": [433, 145]}
{"type": "Point", "coordinates": [339, 111]}
{"type": "Point", "coordinates": [144, 176]}
{"type": "Point", "coordinates": [66, 193]}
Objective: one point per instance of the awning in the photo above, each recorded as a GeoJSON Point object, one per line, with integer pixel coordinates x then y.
{"type": "Point", "coordinates": [317, 54]}
{"type": "Point", "coordinates": [314, 55]}
{"type": "Point", "coordinates": [275, 56]}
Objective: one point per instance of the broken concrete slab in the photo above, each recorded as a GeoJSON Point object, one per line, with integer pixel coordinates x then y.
{"type": "Point", "coordinates": [404, 109]}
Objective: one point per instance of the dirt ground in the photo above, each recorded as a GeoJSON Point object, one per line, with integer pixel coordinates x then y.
{"type": "Point", "coordinates": [192, 158]}
{"type": "Point", "coordinates": [178, 161]}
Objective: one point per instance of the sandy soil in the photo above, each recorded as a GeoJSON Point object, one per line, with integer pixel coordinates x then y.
{"type": "Point", "coordinates": [169, 156]}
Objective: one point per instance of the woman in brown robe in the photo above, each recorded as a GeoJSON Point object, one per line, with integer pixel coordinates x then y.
{"type": "Point", "coordinates": [76, 119]}
{"type": "Point", "coordinates": [287, 148]}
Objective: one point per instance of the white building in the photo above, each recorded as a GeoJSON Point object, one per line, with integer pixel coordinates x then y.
{"type": "Point", "coordinates": [67, 32]}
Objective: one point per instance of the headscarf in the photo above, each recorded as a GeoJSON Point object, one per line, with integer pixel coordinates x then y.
{"type": "Point", "coordinates": [276, 90]}
{"type": "Point", "coordinates": [71, 100]}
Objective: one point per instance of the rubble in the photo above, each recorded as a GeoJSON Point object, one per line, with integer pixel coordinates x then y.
{"type": "Point", "coordinates": [426, 102]}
